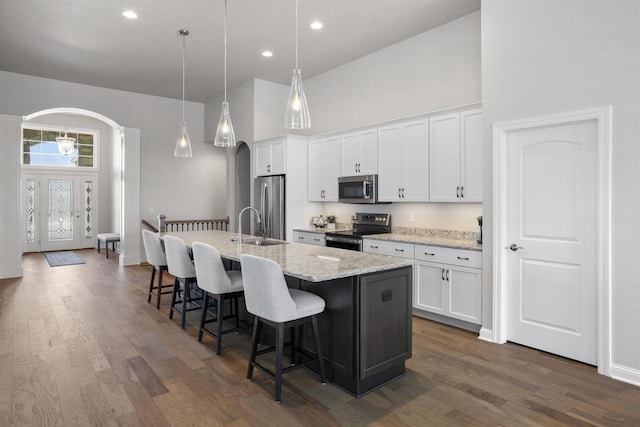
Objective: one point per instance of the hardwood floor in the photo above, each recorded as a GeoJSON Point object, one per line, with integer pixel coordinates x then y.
{"type": "Point", "coordinates": [80, 345]}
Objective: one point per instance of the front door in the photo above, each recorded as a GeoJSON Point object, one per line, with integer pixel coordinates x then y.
{"type": "Point", "coordinates": [552, 216]}
{"type": "Point", "coordinates": [60, 211]}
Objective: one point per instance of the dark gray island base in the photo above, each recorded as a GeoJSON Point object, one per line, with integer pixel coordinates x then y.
{"type": "Point", "coordinates": [365, 329]}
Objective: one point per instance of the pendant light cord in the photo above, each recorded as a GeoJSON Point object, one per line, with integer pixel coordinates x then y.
{"type": "Point", "coordinates": [296, 34]}
{"type": "Point", "coordinates": [225, 50]}
{"type": "Point", "coordinates": [183, 66]}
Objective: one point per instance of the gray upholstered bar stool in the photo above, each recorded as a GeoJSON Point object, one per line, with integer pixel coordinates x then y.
{"type": "Point", "coordinates": [221, 285]}
{"type": "Point", "coordinates": [158, 260]}
{"type": "Point", "coordinates": [181, 267]}
{"type": "Point", "coordinates": [272, 303]}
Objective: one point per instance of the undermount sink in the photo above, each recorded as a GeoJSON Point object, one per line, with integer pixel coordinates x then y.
{"type": "Point", "coordinates": [263, 242]}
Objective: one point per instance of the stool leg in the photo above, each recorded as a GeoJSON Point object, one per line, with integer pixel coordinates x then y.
{"type": "Point", "coordinates": [153, 276]}
{"type": "Point", "coordinates": [237, 315]}
{"type": "Point", "coordinates": [254, 346]}
{"type": "Point", "coordinates": [159, 287]}
{"type": "Point", "coordinates": [98, 245]}
{"type": "Point", "coordinates": [203, 315]}
{"type": "Point", "coordinates": [185, 298]}
{"type": "Point", "coordinates": [176, 286]}
{"type": "Point", "coordinates": [220, 316]}
{"type": "Point", "coordinates": [106, 248]}
{"type": "Point", "coordinates": [292, 357]}
{"type": "Point", "coordinates": [316, 339]}
{"type": "Point", "coordinates": [279, 351]}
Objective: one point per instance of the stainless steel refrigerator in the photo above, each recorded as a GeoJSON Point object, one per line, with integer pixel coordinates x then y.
{"type": "Point", "coordinates": [268, 193]}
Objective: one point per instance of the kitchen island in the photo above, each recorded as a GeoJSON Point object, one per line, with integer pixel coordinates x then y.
{"type": "Point", "coordinates": [366, 326]}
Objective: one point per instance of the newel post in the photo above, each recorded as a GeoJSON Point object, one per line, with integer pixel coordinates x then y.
{"type": "Point", "coordinates": [162, 225]}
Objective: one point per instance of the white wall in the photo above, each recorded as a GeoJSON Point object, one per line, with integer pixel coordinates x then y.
{"type": "Point", "coordinates": [540, 58]}
{"type": "Point", "coordinates": [435, 70]}
{"type": "Point", "coordinates": [270, 101]}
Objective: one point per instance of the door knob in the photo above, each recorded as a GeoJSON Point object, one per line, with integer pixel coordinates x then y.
{"type": "Point", "coordinates": [515, 247]}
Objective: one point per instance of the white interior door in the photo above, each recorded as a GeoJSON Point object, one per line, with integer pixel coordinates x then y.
{"type": "Point", "coordinates": [552, 215]}
{"type": "Point", "coordinates": [60, 212]}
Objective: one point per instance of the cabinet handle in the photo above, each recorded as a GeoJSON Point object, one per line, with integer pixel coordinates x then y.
{"type": "Point", "coordinates": [463, 258]}
{"type": "Point", "coordinates": [373, 247]}
{"type": "Point", "coordinates": [399, 250]}
{"type": "Point", "coordinates": [300, 238]}
{"type": "Point", "coordinates": [428, 254]}
{"type": "Point", "coordinates": [448, 272]}
{"type": "Point", "coordinates": [403, 192]}
{"type": "Point", "coordinates": [462, 191]}
{"type": "Point", "coordinates": [316, 240]}
{"type": "Point", "coordinates": [355, 167]}
{"type": "Point", "coordinates": [458, 192]}
{"type": "Point", "coordinates": [442, 273]}
{"type": "Point", "coordinates": [399, 193]}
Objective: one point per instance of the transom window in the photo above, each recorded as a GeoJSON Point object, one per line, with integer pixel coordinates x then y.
{"type": "Point", "coordinates": [40, 148]}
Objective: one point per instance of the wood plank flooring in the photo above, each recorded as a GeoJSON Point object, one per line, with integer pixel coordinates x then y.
{"type": "Point", "coordinates": [80, 346]}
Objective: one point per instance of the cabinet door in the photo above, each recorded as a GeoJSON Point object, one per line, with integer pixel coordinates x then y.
{"type": "Point", "coordinates": [368, 155]}
{"type": "Point", "coordinates": [331, 168]}
{"type": "Point", "coordinates": [444, 158]}
{"type": "Point", "coordinates": [263, 159]}
{"type": "Point", "coordinates": [315, 171]}
{"type": "Point", "coordinates": [415, 162]}
{"type": "Point", "coordinates": [471, 163]}
{"type": "Point", "coordinates": [349, 148]}
{"type": "Point", "coordinates": [465, 293]}
{"type": "Point", "coordinates": [277, 158]}
{"type": "Point", "coordinates": [429, 289]}
{"type": "Point", "coordinates": [390, 165]}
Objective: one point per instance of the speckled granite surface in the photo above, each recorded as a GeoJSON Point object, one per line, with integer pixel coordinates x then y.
{"type": "Point", "coordinates": [425, 236]}
{"type": "Point", "coordinates": [446, 240]}
{"type": "Point", "coordinates": [312, 229]}
{"type": "Point", "coordinates": [307, 262]}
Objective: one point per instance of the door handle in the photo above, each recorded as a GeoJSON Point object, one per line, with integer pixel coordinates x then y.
{"type": "Point", "coordinates": [515, 247]}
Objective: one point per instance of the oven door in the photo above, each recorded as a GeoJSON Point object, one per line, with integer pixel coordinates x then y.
{"type": "Point", "coordinates": [357, 189]}
{"type": "Point", "coordinates": [342, 242]}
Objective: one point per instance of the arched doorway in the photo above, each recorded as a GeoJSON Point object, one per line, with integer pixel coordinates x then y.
{"type": "Point", "coordinates": [243, 181]}
{"type": "Point", "coordinates": [123, 181]}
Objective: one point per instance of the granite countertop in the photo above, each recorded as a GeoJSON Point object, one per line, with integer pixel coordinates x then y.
{"type": "Point", "coordinates": [445, 241]}
{"type": "Point", "coordinates": [322, 230]}
{"type": "Point", "coordinates": [299, 260]}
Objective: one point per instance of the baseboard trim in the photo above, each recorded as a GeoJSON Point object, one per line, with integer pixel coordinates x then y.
{"type": "Point", "coordinates": [129, 260]}
{"type": "Point", "coordinates": [625, 374]}
{"type": "Point", "coordinates": [486, 334]}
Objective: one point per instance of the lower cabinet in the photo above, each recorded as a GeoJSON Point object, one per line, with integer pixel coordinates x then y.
{"type": "Point", "coordinates": [448, 290]}
{"type": "Point", "coordinates": [308, 238]}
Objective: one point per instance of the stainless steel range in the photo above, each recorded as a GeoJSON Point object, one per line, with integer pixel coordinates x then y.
{"type": "Point", "coordinates": [363, 224]}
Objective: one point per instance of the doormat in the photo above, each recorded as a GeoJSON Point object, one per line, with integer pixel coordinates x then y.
{"type": "Point", "coordinates": [56, 259]}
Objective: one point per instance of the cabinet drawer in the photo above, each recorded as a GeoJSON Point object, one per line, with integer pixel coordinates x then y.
{"type": "Point", "coordinates": [451, 256]}
{"type": "Point", "coordinates": [401, 250]}
{"type": "Point", "coordinates": [308, 238]}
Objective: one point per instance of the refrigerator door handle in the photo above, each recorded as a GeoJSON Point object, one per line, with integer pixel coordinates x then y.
{"type": "Point", "coordinates": [265, 215]}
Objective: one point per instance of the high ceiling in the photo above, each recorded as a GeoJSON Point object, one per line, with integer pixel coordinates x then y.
{"type": "Point", "coordinates": [90, 42]}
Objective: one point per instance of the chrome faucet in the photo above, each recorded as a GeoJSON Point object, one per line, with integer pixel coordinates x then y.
{"type": "Point", "coordinates": [240, 220]}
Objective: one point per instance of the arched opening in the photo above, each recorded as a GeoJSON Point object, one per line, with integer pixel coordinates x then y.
{"type": "Point", "coordinates": [243, 181]}
{"type": "Point", "coordinates": [118, 163]}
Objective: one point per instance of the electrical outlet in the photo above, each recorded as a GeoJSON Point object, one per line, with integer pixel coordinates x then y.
{"type": "Point", "coordinates": [412, 216]}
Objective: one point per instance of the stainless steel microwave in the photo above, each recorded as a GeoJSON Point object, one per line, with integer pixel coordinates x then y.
{"type": "Point", "coordinates": [358, 189]}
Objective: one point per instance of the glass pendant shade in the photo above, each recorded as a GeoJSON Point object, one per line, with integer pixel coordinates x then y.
{"type": "Point", "coordinates": [65, 144]}
{"type": "Point", "coordinates": [225, 137]}
{"type": "Point", "coordinates": [183, 146]}
{"type": "Point", "coordinates": [296, 115]}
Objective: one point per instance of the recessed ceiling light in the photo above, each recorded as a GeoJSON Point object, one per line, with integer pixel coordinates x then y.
{"type": "Point", "coordinates": [316, 25]}
{"type": "Point", "coordinates": [130, 14]}
{"type": "Point", "coordinates": [267, 54]}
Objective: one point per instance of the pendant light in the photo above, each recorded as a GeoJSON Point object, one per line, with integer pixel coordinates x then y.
{"type": "Point", "coordinates": [296, 115]}
{"type": "Point", "coordinates": [225, 137]}
{"type": "Point", "coordinates": [183, 145]}
{"type": "Point", "coordinates": [65, 143]}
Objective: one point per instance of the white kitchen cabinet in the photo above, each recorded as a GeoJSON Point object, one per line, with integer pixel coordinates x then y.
{"type": "Point", "coordinates": [453, 290]}
{"type": "Point", "coordinates": [308, 238]}
{"type": "Point", "coordinates": [323, 166]}
{"type": "Point", "coordinates": [359, 153]}
{"type": "Point", "coordinates": [270, 157]}
{"type": "Point", "coordinates": [455, 157]}
{"type": "Point", "coordinates": [382, 247]}
{"type": "Point", "coordinates": [403, 165]}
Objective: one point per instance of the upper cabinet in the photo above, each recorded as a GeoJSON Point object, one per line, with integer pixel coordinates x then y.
{"type": "Point", "coordinates": [359, 153]}
{"type": "Point", "coordinates": [455, 157]}
{"type": "Point", "coordinates": [323, 165]}
{"type": "Point", "coordinates": [403, 166]}
{"type": "Point", "coordinates": [270, 157]}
